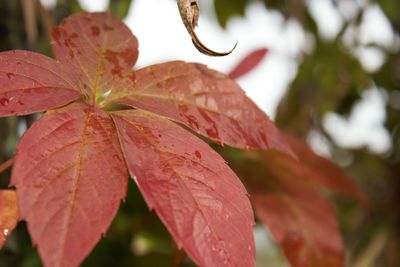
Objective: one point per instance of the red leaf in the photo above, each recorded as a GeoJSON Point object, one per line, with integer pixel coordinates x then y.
{"type": "Point", "coordinates": [30, 82]}
{"type": "Point", "coordinates": [299, 218]}
{"type": "Point", "coordinates": [98, 44]}
{"type": "Point", "coordinates": [8, 214]}
{"type": "Point", "coordinates": [248, 63]}
{"type": "Point", "coordinates": [322, 172]}
{"type": "Point", "coordinates": [70, 177]}
{"type": "Point", "coordinates": [194, 192]}
{"type": "Point", "coordinates": [204, 100]}
{"type": "Point", "coordinates": [297, 215]}
{"type": "Point", "coordinates": [302, 222]}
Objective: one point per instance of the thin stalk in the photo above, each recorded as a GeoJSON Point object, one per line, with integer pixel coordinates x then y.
{"type": "Point", "coordinates": [7, 164]}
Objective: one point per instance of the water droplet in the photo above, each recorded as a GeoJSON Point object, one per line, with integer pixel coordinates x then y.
{"type": "Point", "coordinates": [212, 132]}
{"type": "Point", "coordinates": [10, 75]}
{"type": "Point", "coordinates": [95, 30]}
{"type": "Point", "coordinates": [116, 157]}
{"type": "Point", "coordinates": [106, 93]}
{"type": "Point", "coordinates": [4, 102]}
{"type": "Point", "coordinates": [192, 122]}
{"type": "Point", "coordinates": [5, 232]}
{"type": "Point", "coordinates": [198, 154]}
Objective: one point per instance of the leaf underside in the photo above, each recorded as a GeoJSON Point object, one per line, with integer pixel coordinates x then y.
{"type": "Point", "coordinates": [196, 195]}
{"type": "Point", "coordinates": [70, 177]}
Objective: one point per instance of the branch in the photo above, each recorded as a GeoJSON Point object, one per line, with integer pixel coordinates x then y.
{"type": "Point", "coordinates": [7, 164]}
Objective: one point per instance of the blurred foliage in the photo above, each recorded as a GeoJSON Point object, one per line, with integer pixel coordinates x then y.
{"type": "Point", "coordinates": [330, 78]}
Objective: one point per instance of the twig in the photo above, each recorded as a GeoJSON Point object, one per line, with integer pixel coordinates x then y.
{"type": "Point", "coordinates": [29, 12]}
{"type": "Point", "coordinates": [179, 257]}
{"type": "Point", "coordinates": [7, 164]}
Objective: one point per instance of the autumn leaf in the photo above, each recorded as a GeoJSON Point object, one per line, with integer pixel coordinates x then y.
{"type": "Point", "coordinates": [293, 209]}
{"type": "Point", "coordinates": [302, 222]}
{"type": "Point", "coordinates": [8, 214]}
{"type": "Point", "coordinates": [30, 82]}
{"type": "Point", "coordinates": [248, 63]}
{"type": "Point", "coordinates": [321, 171]}
{"type": "Point", "coordinates": [70, 172]}
{"type": "Point", "coordinates": [100, 45]}
{"type": "Point", "coordinates": [204, 100]}
{"type": "Point", "coordinates": [70, 177]}
{"type": "Point", "coordinates": [193, 191]}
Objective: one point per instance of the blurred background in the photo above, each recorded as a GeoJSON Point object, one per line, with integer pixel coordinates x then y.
{"type": "Point", "coordinates": [331, 77]}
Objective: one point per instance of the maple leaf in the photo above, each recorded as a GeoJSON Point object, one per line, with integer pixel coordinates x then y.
{"type": "Point", "coordinates": [8, 214]}
{"type": "Point", "coordinates": [71, 166]}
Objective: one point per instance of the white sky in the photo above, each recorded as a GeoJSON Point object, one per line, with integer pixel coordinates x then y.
{"type": "Point", "coordinates": [162, 37]}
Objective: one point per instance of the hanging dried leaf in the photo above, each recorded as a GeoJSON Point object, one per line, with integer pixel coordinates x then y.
{"type": "Point", "coordinates": [189, 10]}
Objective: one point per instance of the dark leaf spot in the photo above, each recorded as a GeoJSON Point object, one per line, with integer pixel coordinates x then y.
{"type": "Point", "coordinates": [95, 30]}
{"type": "Point", "coordinates": [4, 102]}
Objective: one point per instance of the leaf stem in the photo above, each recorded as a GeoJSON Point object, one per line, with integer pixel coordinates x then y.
{"type": "Point", "coordinates": [7, 164]}
{"type": "Point", "coordinates": [179, 257]}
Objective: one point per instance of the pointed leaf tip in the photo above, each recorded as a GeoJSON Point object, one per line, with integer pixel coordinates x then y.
{"type": "Point", "coordinates": [248, 63]}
